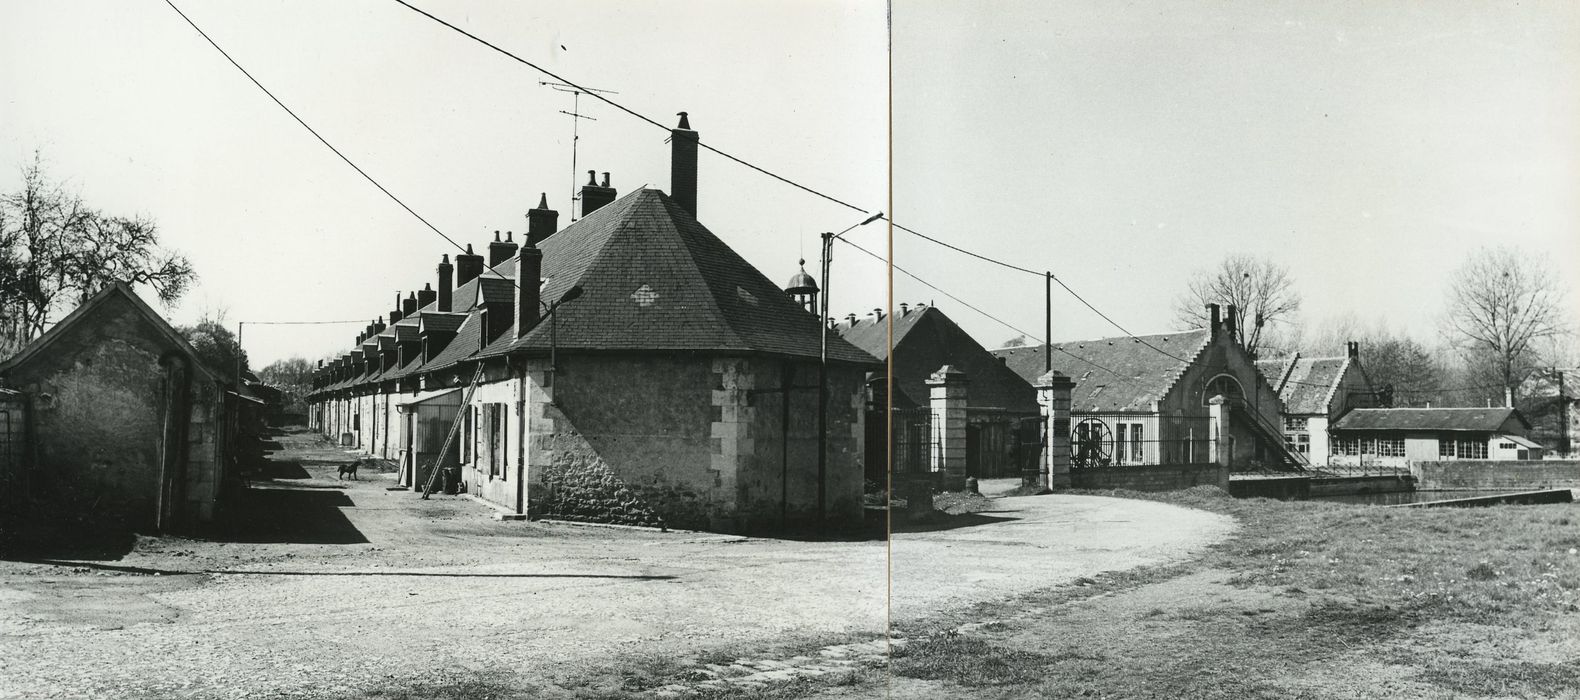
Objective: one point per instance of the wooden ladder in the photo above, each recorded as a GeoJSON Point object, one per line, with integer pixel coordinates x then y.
{"type": "Point", "coordinates": [455, 427]}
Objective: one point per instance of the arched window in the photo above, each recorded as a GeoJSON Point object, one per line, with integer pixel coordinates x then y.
{"type": "Point", "coordinates": [1224, 385]}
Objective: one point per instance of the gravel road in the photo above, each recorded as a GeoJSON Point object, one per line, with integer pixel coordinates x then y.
{"type": "Point", "coordinates": [339, 587]}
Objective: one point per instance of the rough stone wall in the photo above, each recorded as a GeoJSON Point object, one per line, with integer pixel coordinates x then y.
{"type": "Point", "coordinates": [1466, 474]}
{"type": "Point", "coordinates": [98, 415]}
{"type": "Point", "coordinates": [689, 441]}
{"type": "Point", "coordinates": [623, 439]}
{"type": "Point", "coordinates": [776, 473]}
{"type": "Point", "coordinates": [1163, 477]}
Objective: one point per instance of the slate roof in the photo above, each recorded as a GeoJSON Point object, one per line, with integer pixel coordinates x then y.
{"type": "Point", "coordinates": [926, 339]}
{"type": "Point", "coordinates": [1305, 384]}
{"type": "Point", "coordinates": [1140, 375]}
{"type": "Point", "coordinates": [656, 279]}
{"type": "Point", "coordinates": [1475, 420]}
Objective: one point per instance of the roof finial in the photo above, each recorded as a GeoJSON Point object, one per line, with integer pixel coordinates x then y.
{"type": "Point", "coordinates": [543, 201]}
{"type": "Point", "coordinates": [684, 122]}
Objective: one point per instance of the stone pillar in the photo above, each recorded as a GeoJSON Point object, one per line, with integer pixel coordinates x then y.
{"type": "Point", "coordinates": [1053, 395]}
{"type": "Point", "coordinates": [1222, 446]}
{"type": "Point", "coordinates": [947, 395]}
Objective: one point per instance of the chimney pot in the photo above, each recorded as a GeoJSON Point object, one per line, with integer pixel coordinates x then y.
{"type": "Point", "coordinates": [426, 296]}
{"type": "Point", "coordinates": [541, 222]}
{"type": "Point", "coordinates": [594, 196]}
{"type": "Point", "coordinates": [877, 314]}
{"type": "Point", "coordinates": [409, 306]}
{"type": "Point", "coordinates": [446, 298]}
{"type": "Point", "coordinates": [1213, 321]}
{"type": "Point", "coordinates": [500, 250]}
{"type": "Point", "coordinates": [683, 165]}
{"type": "Point", "coordinates": [467, 266]}
{"type": "Point", "coordinates": [905, 309]}
{"type": "Point", "coordinates": [1230, 322]}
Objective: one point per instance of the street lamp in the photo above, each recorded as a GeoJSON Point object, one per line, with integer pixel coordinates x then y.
{"type": "Point", "coordinates": [570, 295]}
{"type": "Point", "coordinates": [822, 371]}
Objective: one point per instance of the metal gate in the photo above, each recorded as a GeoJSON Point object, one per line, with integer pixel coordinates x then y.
{"type": "Point", "coordinates": [915, 439]}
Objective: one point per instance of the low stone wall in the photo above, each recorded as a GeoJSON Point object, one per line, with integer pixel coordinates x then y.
{"type": "Point", "coordinates": [1484, 475]}
{"type": "Point", "coordinates": [1283, 488]}
{"type": "Point", "coordinates": [1151, 477]}
{"type": "Point", "coordinates": [1358, 485]}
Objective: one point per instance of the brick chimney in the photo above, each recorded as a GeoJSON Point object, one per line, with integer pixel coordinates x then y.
{"type": "Point", "coordinates": [501, 250]}
{"type": "Point", "coordinates": [409, 306]}
{"type": "Point", "coordinates": [397, 314]}
{"type": "Point", "coordinates": [446, 283]}
{"type": "Point", "coordinates": [1231, 322]}
{"type": "Point", "coordinates": [529, 283]}
{"type": "Point", "coordinates": [594, 196]}
{"type": "Point", "coordinates": [378, 326]}
{"type": "Point", "coordinates": [683, 165]}
{"type": "Point", "coordinates": [542, 221]}
{"type": "Point", "coordinates": [468, 266]}
{"type": "Point", "coordinates": [1353, 349]}
{"type": "Point", "coordinates": [426, 296]}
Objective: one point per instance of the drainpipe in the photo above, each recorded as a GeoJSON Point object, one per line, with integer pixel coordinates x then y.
{"type": "Point", "coordinates": [521, 443]}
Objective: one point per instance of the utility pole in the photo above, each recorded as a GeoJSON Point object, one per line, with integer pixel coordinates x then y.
{"type": "Point", "coordinates": [822, 369]}
{"type": "Point", "coordinates": [576, 121]}
{"type": "Point", "coordinates": [1563, 414]}
{"type": "Point", "coordinates": [1047, 327]}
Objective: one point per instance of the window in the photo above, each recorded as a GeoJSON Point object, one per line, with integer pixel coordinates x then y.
{"type": "Point", "coordinates": [1294, 423]}
{"type": "Point", "coordinates": [494, 439]}
{"type": "Point", "coordinates": [1461, 449]}
{"type": "Point", "coordinates": [1299, 442]}
{"type": "Point", "coordinates": [1120, 444]}
{"type": "Point", "coordinates": [1390, 447]}
{"type": "Point", "coordinates": [1506, 446]}
{"type": "Point", "coordinates": [1472, 449]}
{"type": "Point", "coordinates": [1137, 445]}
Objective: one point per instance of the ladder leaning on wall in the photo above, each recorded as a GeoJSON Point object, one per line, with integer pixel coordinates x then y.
{"type": "Point", "coordinates": [455, 427]}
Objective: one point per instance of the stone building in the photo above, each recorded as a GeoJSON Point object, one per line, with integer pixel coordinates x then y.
{"type": "Point", "coordinates": [1149, 400]}
{"type": "Point", "coordinates": [125, 420]}
{"type": "Point", "coordinates": [631, 368]}
{"type": "Point", "coordinates": [1316, 391]}
{"type": "Point", "coordinates": [1000, 406]}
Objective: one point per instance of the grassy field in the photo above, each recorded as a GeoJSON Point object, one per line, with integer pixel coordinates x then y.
{"type": "Point", "coordinates": [1308, 600]}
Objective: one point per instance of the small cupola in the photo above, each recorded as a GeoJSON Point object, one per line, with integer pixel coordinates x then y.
{"type": "Point", "coordinates": [803, 289]}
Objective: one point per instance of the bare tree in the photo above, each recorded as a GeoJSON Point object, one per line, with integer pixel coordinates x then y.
{"type": "Point", "coordinates": [56, 251]}
{"type": "Point", "coordinates": [1262, 291]}
{"type": "Point", "coordinates": [1500, 305]}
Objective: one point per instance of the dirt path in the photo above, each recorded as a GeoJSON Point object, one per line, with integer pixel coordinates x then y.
{"type": "Point", "coordinates": [345, 586]}
{"type": "Point", "coordinates": [1034, 542]}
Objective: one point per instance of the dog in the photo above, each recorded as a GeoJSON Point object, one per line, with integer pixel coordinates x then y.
{"type": "Point", "coordinates": [349, 468]}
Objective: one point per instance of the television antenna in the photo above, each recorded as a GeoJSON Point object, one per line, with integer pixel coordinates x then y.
{"type": "Point", "coordinates": [576, 121]}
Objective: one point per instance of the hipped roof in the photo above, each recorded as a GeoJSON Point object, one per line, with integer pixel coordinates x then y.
{"type": "Point", "coordinates": [1473, 420]}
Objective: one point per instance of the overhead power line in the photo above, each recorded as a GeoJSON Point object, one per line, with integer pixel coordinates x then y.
{"type": "Point", "coordinates": [623, 108]}
{"type": "Point", "coordinates": [968, 305]}
{"type": "Point", "coordinates": [310, 129]}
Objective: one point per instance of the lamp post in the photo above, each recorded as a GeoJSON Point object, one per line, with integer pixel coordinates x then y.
{"type": "Point", "coordinates": [822, 371]}
{"type": "Point", "coordinates": [570, 295]}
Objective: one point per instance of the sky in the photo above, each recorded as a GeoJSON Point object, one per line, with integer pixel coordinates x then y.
{"type": "Point", "coordinates": [1368, 147]}
{"type": "Point", "coordinates": [139, 115]}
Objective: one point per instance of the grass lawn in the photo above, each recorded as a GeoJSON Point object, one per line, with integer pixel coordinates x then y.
{"type": "Point", "coordinates": [1308, 599]}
